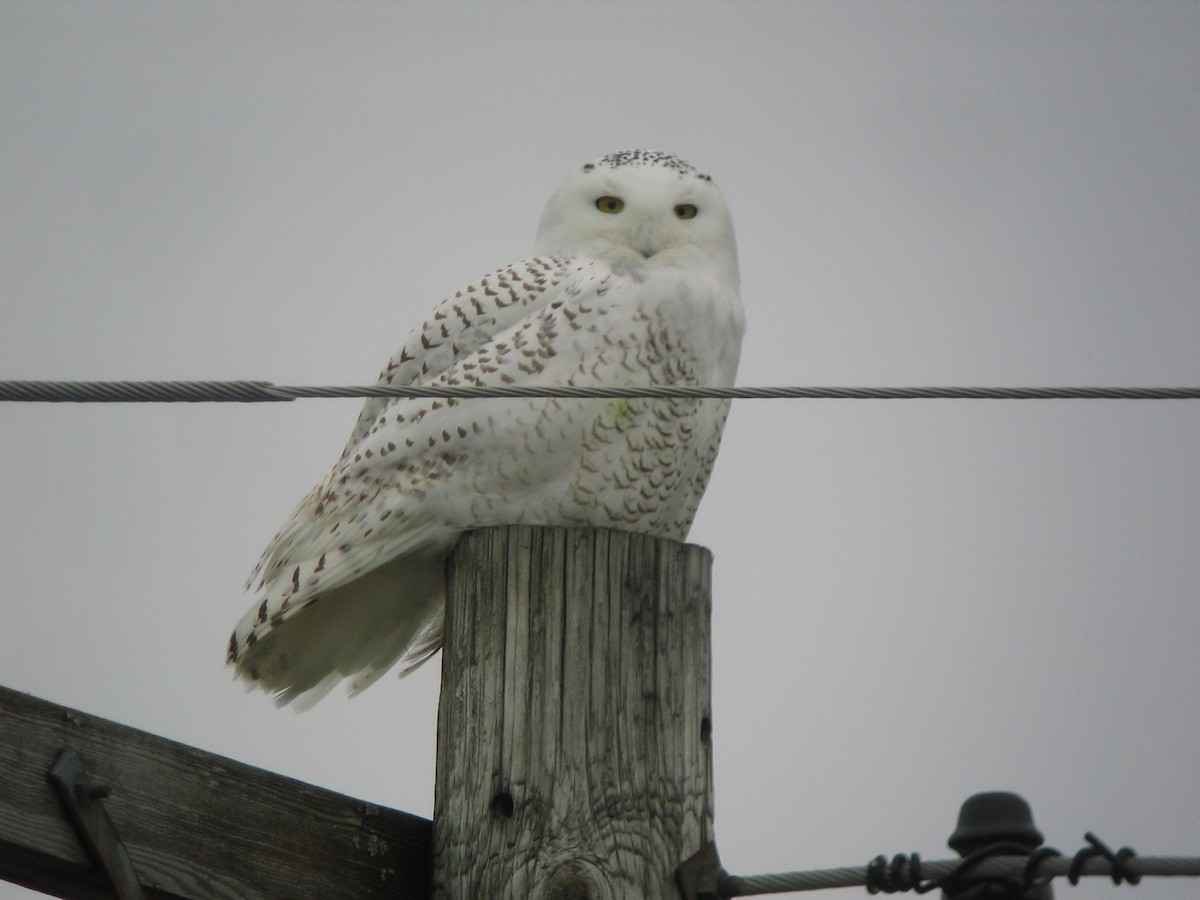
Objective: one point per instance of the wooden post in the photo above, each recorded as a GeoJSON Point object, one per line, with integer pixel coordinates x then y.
{"type": "Point", "coordinates": [574, 733]}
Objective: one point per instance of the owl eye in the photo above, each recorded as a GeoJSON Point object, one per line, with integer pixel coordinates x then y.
{"type": "Point", "coordinates": [686, 210]}
{"type": "Point", "coordinates": [610, 204]}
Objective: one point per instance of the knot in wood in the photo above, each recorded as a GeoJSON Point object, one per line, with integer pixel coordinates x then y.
{"type": "Point", "coordinates": [575, 880]}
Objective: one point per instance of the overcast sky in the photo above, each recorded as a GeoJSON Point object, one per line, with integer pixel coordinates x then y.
{"type": "Point", "coordinates": [913, 600]}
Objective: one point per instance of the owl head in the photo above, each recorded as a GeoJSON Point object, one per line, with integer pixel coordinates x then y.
{"type": "Point", "coordinates": [640, 208]}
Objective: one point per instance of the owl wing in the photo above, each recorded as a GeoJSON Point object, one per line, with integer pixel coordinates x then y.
{"type": "Point", "coordinates": [461, 324]}
{"type": "Point", "coordinates": [457, 328]}
{"type": "Point", "coordinates": [368, 509]}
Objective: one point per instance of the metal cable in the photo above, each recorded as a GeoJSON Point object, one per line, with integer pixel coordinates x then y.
{"type": "Point", "coordinates": [996, 867]}
{"type": "Point", "coordinates": [265, 391]}
{"type": "Point", "coordinates": [141, 391]}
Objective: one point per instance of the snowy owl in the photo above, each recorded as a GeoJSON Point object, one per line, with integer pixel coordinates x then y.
{"type": "Point", "coordinates": [633, 282]}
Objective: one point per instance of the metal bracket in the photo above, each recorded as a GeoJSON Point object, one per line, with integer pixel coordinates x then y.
{"type": "Point", "coordinates": [700, 876]}
{"type": "Point", "coordinates": [82, 795]}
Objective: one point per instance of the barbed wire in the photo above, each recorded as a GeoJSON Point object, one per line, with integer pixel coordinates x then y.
{"type": "Point", "coordinates": [926, 876]}
{"type": "Point", "coordinates": [1007, 866]}
{"type": "Point", "coordinates": [267, 392]}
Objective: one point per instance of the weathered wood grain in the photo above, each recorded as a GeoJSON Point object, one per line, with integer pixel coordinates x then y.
{"type": "Point", "coordinates": [574, 733]}
{"type": "Point", "coordinates": [196, 825]}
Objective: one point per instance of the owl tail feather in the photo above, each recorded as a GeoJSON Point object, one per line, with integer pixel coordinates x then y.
{"type": "Point", "coordinates": [359, 630]}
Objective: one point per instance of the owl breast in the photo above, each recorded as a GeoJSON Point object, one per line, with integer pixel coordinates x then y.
{"type": "Point", "coordinates": [630, 463]}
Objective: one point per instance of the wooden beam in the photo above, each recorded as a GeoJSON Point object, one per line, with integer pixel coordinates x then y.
{"type": "Point", "coordinates": [574, 731]}
{"type": "Point", "coordinates": [196, 825]}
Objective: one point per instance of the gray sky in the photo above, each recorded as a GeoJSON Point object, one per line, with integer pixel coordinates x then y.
{"type": "Point", "coordinates": [914, 601]}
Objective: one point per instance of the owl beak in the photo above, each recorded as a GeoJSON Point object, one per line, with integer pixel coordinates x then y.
{"type": "Point", "coordinates": [646, 240]}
